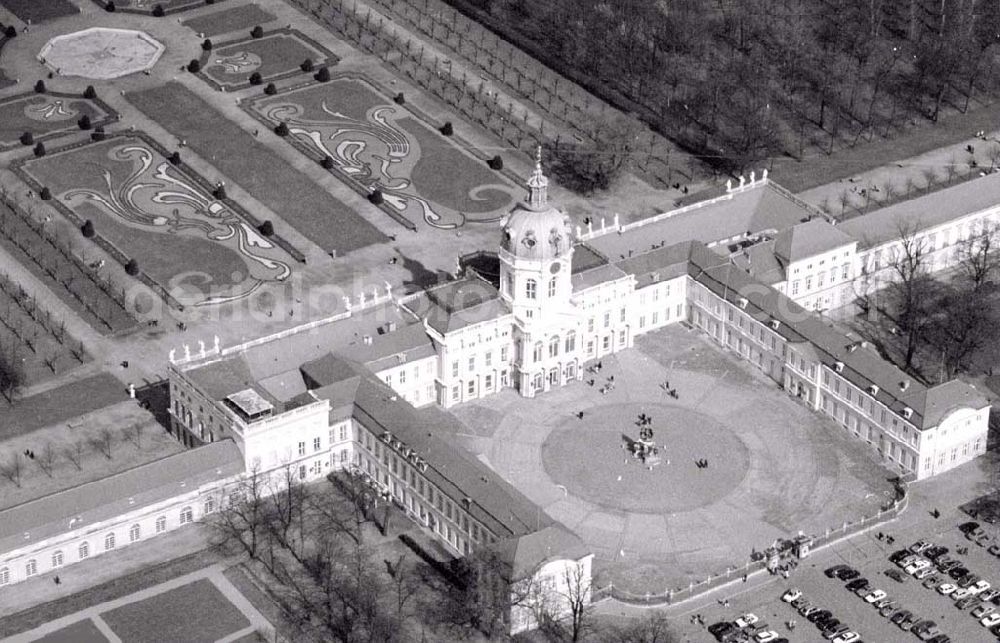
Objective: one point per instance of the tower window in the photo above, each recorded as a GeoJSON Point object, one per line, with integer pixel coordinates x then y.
{"type": "Point", "coordinates": [510, 284]}
{"type": "Point", "coordinates": [552, 287]}
{"type": "Point", "coordinates": [530, 289]}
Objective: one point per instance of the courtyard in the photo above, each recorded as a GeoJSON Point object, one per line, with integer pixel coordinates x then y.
{"type": "Point", "coordinates": [774, 468]}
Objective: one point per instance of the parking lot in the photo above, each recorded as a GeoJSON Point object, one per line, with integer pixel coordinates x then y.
{"type": "Point", "coordinates": [868, 557]}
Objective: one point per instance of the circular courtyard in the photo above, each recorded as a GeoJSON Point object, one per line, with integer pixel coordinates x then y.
{"type": "Point", "coordinates": [101, 53]}
{"type": "Point", "coordinates": [590, 456]}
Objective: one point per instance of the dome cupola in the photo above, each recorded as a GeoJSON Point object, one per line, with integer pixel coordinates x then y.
{"type": "Point", "coordinates": [534, 230]}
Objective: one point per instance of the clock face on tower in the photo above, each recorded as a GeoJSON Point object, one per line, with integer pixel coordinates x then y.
{"type": "Point", "coordinates": [555, 267]}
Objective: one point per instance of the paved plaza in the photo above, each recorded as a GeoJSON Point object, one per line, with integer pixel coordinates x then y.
{"type": "Point", "coordinates": [775, 468]}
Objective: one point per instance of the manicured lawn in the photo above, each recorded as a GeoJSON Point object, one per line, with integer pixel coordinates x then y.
{"type": "Point", "coordinates": [273, 56]}
{"type": "Point", "coordinates": [228, 20]}
{"type": "Point", "coordinates": [60, 404]}
{"type": "Point", "coordinates": [180, 235]}
{"type": "Point", "coordinates": [80, 632]}
{"type": "Point", "coordinates": [193, 613]}
{"type": "Point", "coordinates": [42, 115]}
{"type": "Point", "coordinates": [40, 10]}
{"type": "Point", "coordinates": [145, 6]}
{"type": "Point", "coordinates": [427, 175]}
{"type": "Point", "coordinates": [303, 204]}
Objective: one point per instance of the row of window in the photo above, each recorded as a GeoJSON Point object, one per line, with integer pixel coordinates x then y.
{"type": "Point", "coordinates": [110, 542]}
{"type": "Point", "coordinates": [487, 358]}
{"type": "Point", "coordinates": [845, 274]}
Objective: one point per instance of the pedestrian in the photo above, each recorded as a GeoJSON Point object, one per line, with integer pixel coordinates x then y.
{"type": "Point", "coordinates": [744, 578]}
{"type": "Point", "coordinates": [579, 415]}
{"type": "Point", "coordinates": [880, 536]}
{"type": "Point", "coordinates": [56, 580]}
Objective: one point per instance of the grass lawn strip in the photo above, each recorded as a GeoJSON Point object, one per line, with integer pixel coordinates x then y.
{"type": "Point", "coordinates": [146, 7]}
{"type": "Point", "coordinates": [197, 612]}
{"type": "Point", "coordinates": [59, 405]}
{"type": "Point", "coordinates": [228, 20]}
{"type": "Point", "coordinates": [36, 11]}
{"type": "Point", "coordinates": [303, 204]}
{"type": "Point", "coordinates": [80, 632]}
{"type": "Point", "coordinates": [48, 116]}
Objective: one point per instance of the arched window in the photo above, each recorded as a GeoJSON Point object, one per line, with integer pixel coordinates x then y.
{"type": "Point", "coordinates": [530, 288]}
{"type": "Point", "coordinates": [4, 576]}
{"type": "Point", "coordinates": [554, 346]}
{"type": "Point", "coordinates": [84, 550]}
{"type": "Point", "coordinates": [552, 287]}
{"type": "Point", "coordinates": [537, 353]}
{"type": "Point", "coordinates": [570, 342]}
{"type": "Point", "coordinates": [161, 524]}
{"type": "Point", "coordinates": [57, 559]}
{"type": "Point", "coordinates": [186, 515]}
{"type": "Point", "coordinates": [31, 568]}
{"type": "Point", "coordinates": [209, 505]}
{"type": "Point", "coordinates": [109, 541]}
{"type": "Point", "coordinates": [133, 533]}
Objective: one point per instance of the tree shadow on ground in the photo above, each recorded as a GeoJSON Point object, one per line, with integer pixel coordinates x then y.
{"type": "Point", "coordinates": [420, 277]}
{"type": "Point", "coordinates": [155, 398]}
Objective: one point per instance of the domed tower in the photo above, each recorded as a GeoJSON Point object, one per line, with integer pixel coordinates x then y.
{"type": "Point", "coordinates": [536, 248]}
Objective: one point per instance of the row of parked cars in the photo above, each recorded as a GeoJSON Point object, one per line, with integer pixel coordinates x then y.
{"type": "Point", "coordinates": [904, 619]}
{"type": "Point", "coordinates": [748, 628]}
{"type": "Point", "coordinates": [948, 576]}
{"type": "Point", "coordinates": [830, 627]}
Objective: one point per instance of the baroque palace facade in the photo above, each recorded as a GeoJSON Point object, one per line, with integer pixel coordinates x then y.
{"type": "Point", "coordinates": [749, 267]}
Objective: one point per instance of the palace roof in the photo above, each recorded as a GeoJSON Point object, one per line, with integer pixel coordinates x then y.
{"type": "Point", "coordinates": [526, 554]}
{"type": "Point", "coordinates": [457, 304]}
{"type": "Point", "coordinates": [809, 239]}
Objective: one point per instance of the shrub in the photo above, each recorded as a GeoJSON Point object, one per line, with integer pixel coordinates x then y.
{"type": "Point", "coordinates": [194, 66]}
{"type": "Point", "coordinates": [267, 228]}
{"type": "Point", "coordinates": [98, 133]}
{"type": "Point", "coordinates": [10, 31]}
{"type": "Point", "coordinates": [209, 1]}
{"type": "Point", "coordinates": [158, 11]}
{"type": "Point", "coordinates": [40, 87]}
{"type": "Point", "coordinates": [84, 122]}
{"type": "Point", "coordinates": [206, 45]}
{"type": "Point", "coordinates": [45, 193]}
{"type": "Point", "coordinates": [400, 99]}
{"type": "Point", "coordinates": [90, 92]}
{"type": "Point", "coordinates": [327, 162]}
{"type": "Point", "coordinates": [257, 32]}
{"type": "Point", "coordinates": [447, 129]}
{"type": "Point", "coordinates": [495, 163]}
{"type": "Point", "coordinates": [323, 74]}
{"type": "Point", "coordinates": [175, 158]}
{"type": "Point", "coordinates": [376, 197]}
{"type": "Point", "coordinates": [270, 90]}
{"type": "Point", "coordinates": [255, 78]}
{"type": "Point", "coordinates": [219, 192]}
{"type": "Point", "coordinates": [282, 129]}
{"type": "Point", "coordinates": [132, 267]}
{"type": "Point", "coordinates": [27, 138]}
{"type": "Point", "coordinates": [39, 149]}
{"type": "Point", "coordinates": [307, 64]}
{"type": "Point", "coordinates": [88, 229]}
{"type": "Point", "coordinates": [110, 6]}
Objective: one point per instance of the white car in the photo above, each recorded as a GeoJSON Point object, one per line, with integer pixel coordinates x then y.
{"type": "Point", "coordinates": [791, 595]}
{"type": "Point", "coordinates": [847, 637]}
{"type": "Point", "coordinates": [746, 620]}
{"type": "Point", "coordinates": [990, 620]}
{"type": "Point", "coordinates": [921, 574]}
{"type": "Point", "coordinates": [946, 589]}
{"type": "Point", "coordinates": [875, 596]}
{"type": "Point", "coordinates": [767, 636]}
{"type": "Point", "coordinates": [907, 560]}
{"type": "Point", "coordinates": [979, 587]}
{"type": "Point", "coordinates": [917, 565]}
{"type": "Point", "coordinates": [960, 593]}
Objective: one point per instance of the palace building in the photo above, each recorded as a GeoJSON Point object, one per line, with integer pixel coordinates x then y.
{"type": "Point", "coordinates": [364, 392]}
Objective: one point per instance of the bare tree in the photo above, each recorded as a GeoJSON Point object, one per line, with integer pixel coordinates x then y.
{"type": "Point", "coordinates": [655, 628]}
{"type": "Point", "coordinates": [910, 289]}
{"type": "Point", "coordinates": [561, 607]}
{"type": "Point", "coordinates": [242, 519]}
{"type": "Point", "coordinates": [104, 442]}
{"type": "Point", "coordinates": [12, 469]}
{"type": "Point", "coordinates": [349, 508]}
{"type": "Point", "coordinates": [979, 256]}
{"type": "Point", "coordinates": [74, 453]}
{"type": "Point", "coordinates": [12, 374]}
{"type": "Point", "coordinates": [134, 432]}
{"type": "Point", "coordinates": [46, 460]}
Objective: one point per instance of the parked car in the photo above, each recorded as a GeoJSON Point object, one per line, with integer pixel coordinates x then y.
{"type": "Point", "coordinates": [830, 624]}
{"type": "Point", "coordinates": [898, 555]}
{"type": "Point", "coordinates": [901, 616]}
{"type": "Point", "coordinates": [940, 638]}
{"type": "Point", "coordinates": [799, 602]}
{"type": "Point", "coordinates": [983, 610]}
{"type": "Point", "coordinates": [847, 637]}
{"type": "Point", "coordinates": [767, 636]}
{"type": "Point", "coordinates": [979, 587]}
{"type": "Point", "coordinates": [863, 590]}
{"type": "Point", "coordinates": [921, 574]}
{"type": "Point", "coordinates": [931, 581]}
{"type": "Point", "coordinates": [945, 567]}
{"type": "Point", "coordinates": [835, 631]}
{"type": "Point", "coordinates": [856, 583]}
{"type": "Point", "coordinates": [968, 580]}
{"type": "Point", "coordinates": [888, 609]}
{"type": "Point", "coordinates": [946, 589]}
{"type": "Point", "coordinates": [974, 533]}
{"type": "Point", "coordinates": [848, 574]}
{"type": "Point", "coordinates": [806, 611]}
{"type": "Point", "coordinates": [960, 593]}
{"type": "Point", "coordinates": [921, 546]}
{"type": "Point", "coordinates": [875, 596]}
{"type": "Point", "coordinates": [906, 560]}
{"type": "Point", "coordinates": [958, 572]}
{"type": "Point", "coordinates": [831, 572]}
{"type": "Point", "coordinates": [936, 552]}
{"type": "Point", "coordinates": [990, 620]}
{"type": "Point", "coordinates": [967, 602]}
{"type": "Point", "coordinates": [917, 565]}
{"type": "Point", "coordinates": [746, 620]}
{"type": "Point", "coordinates": [819, 615]}
{"type": "Point", "coordinates": [925, 630]}
{"type": "Point", "coordinates": [723, 630]}
{"type": "Point", "coordinates": [994, 549]}
{"type": "Point", "coordinates": [983, 539]}
{"type": "Point", "coordinates": [990, 594]}
{"type": "Point", "coordinates": [895, 575]}
{"type": "Point", "coordinates": [791, 595]}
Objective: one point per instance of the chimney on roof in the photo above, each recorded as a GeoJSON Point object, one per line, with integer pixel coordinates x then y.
{"type": "Point", "coordinates": [839, 367]}
{"type": "Point", "coordinates": [905, 384]}
{"type": "Point", "coordinates": [743, 302]}
{"type": "Point", "coordinates": [775, 324]}
{"type": "Point", "coordinates": [390, 327]}
{"type": "Point", "coordinates": [367, 340]}
{"type": "Point", "coordinates": [907, 413]}
{"type": "Point", "coordinates": [873, 389]}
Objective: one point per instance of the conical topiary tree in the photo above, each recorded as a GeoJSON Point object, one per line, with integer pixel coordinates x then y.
{"type": "Point", "coordinates": [158, 11]}
{"type": "Point", "coordinates": [323, 74]}
{"type": "Point", "coordinates": [256, 78]}
{"type": "Point", "coordinates": [400, 99]}
{"type": "Point", "coordinates": [267, 228]}
{"type": "Point", "coordinates": [84, 122]}
{"type": "Point", "coordinates": [98, 133]}
{"type": "Point", "coordinates": [132, 267]}
{"type": "Point", "coordinates": [40, 87]}
{"type": "Point", "coordinates": [27, 138]}
{"type": "Point", "coordinates": [282, 129]}
{"type": "Point", "coordinates": [219, 192]}
{"type": "Point", "coordinates": [206, 45]}
{"type": "Point", "coordinates": [10, 31]}
{"type": "Point", "coordinates": [376, 197]}
{"type": "Point", "coordinates": [194, 66]}
{"type": "Point", "coordinates": [90, 92]}
{"type": "Point", "coordinates": [45, 193]}
{"type": "Point", "coordinates": [270, 90]}
{"type": "Point", "coordinates": [39, 149]}
{"type": "Point", "coordinates": [257, 32]}
{"type": "Point", "coordinates": [88, 229]}
{"type": "Point", "coordinates": [110, 6]}
{"type": "Point", "coordinates": [175, 158]}
{"type": "Point", "coordinates": [307, 64]}
{"type": "Point", "coordinates": [327, 162]}
{"type": "Point", "coordinates": [495, 163]}
{"type": "Point", "coordinates": [447, 129]}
